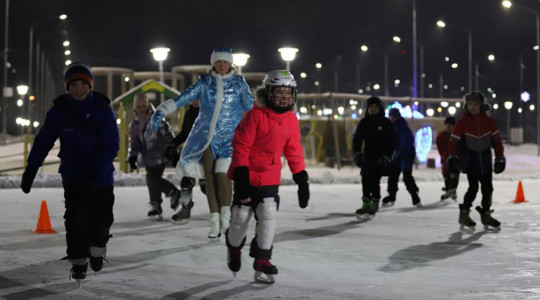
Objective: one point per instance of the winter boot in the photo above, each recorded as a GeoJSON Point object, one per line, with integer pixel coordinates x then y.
{"type": "Point", "coordinates": [225, 218]}
{"type": "Point", "coordinates": [175, 198]}
{"type": "Point", "coordinates": [364, 209]}
{"type": "Point", "coordinates": [389, 200]}
{"type": "Point", "coordinates": [465, 220]}
{"type": "Point", "coordinates": [97, 256]}
{"type": "Point", "coordinates": [183, 216]}
{"type": "Point", "coordinates": [416, 199]}
{"type": "Point", "coordinates": [234, 259]}
{"type": "Point", "coordinates": [490, 223]}
{"type": "Point", "coordinates": [215, 227]}
{"type": "Point", "coordinates": [154, 214]}
{"type": "Point", "coordinates": [374, 206]}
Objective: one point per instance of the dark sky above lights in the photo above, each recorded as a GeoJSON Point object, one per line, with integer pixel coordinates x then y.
{"type": "Point", "coordinates": [120, 34]}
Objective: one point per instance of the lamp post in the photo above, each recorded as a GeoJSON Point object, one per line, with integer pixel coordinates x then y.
{"type": "Point", "coordinates": [490, 58]}
{"type": "Point", "coordinates": [508, 4]}
{"type": "Point", "coordinates": [22, 90]}
{"type": "Point", "coordinates": [5, 92]}
{"type": "Point", "coordinates": [288, 55]}
{"type": "Point", "coordinates": [363, 49]}
{"type": "Point", "coordinates": [508, 105]}
{"type": "Point", "coordinates": [398, 39]}
{"type": "Point", "coordinates": [160, 54]}
{"type": "Point", "coordinates": [442, 24]}
{"type": "Point", "coordinates": [240, 60]}
{"type": "Point", "coordinates": [31, 45]}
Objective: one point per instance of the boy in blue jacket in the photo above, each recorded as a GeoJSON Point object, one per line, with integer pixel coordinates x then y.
{"type": "Point", "coordinates": [89, 142]}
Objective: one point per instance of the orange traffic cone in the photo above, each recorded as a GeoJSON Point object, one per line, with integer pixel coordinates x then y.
{"type": "Point", "coordinates": [44, 222]}
{"type": "Point", "coordinates": [520, 197]}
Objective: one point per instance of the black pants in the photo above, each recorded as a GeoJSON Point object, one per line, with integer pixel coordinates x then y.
{"type": "Point", "coordinates": [371, 183]}
{"type": "Point", "coordinates": [157, 184]}
{"type": "Point", "coordinates": [408, 179]}
{"type": "Point", "coordinates": [487, 189]}
{"type": "Point", "coordinates": [88, 217]}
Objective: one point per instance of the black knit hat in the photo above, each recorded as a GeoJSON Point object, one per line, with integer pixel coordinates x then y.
{"type": "Point", "coordinates": [374, 100]}
{"type": "Point", "coordinates": [394, 112]}
{"type": "Point", "coordinates": [474, 96]}
{"type": "Point", "coordinates": [450, 120]}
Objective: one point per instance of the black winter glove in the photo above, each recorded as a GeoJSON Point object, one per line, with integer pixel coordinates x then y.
{"type": "Point", "coordinates": [27, 179]}
{"type": "Point", "coordinates": [241, 183]}
{"type": "Point", "coordinates": [500, 165]}
{"type": "Point", "coordinates": [301, 178]}
{"type": "Point", "coordinates": [133, 162]}
{"type": "Point", "coordinates": [453, 164]}
{"type": "Point", "coordinates": [384, 162]}
{"type": "Point", "coordinates": [359, 160]}
{"type": "Point", "coordinates": [171, 153]}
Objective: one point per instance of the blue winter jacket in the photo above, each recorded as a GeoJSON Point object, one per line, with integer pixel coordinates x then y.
{"type": "Point", "coordinates": [89, 139]}
{"type": "Point", "coordinates": [406, 151]}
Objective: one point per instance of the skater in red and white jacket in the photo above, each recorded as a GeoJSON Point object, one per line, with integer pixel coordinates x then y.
{"type": "Point", "coordinates": [266, 132]}
{"type": "Point", "coordinates": [469, 150]}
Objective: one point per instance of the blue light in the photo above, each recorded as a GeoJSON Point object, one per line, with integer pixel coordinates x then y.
{"type": "Point", "coordinates": [423, 139]}
{"type": "Point", "coordinates": [406, 112]}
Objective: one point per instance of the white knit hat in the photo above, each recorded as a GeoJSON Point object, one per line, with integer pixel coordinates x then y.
{"type": "Point", "coordinates": [222, 53]}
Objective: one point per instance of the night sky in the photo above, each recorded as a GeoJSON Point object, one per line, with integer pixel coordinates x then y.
{"type": "Point", "coordinates": [120, 34]}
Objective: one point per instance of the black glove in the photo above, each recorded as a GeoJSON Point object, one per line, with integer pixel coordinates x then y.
{"type": "Point", "coordinates": [301, 178]}
{"type": "Point", "coordinates": [27, 179]}
{"type": "Point", "coordinates": [359, 160]}
{"type": "Point", "coordinates": [384, 162]}
{"type": "Point", "coordinates": [453, 164]}
{"type": "Point", "coordinates": [500, 165]}
{"type": "Point", "coordinates": [171, 153]}
{"type": "Point", "coordinates": [241, 183]}
{"type": "Point", "coordinates": [133, 162]}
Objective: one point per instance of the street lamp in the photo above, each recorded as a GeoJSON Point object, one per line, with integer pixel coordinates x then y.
{"type": "Point", "coordinates": [22, 90]}
{"type": "Point", "coordinates": [397, 39]}
{"type": "Point", "coordinates": [508, 4]}
{"type": "Point", "coordinates": [288, 55]}
{"type": "Point", "coordinates": [490, 58]}
{"type": "Point", "coordinates": [363, 49]}
{"type": "Point", "coordinates": [508, 105]}
{"type": "Point", "coordinates": [442, 24]}
{"type": "Point", "coordinates": [160, 54]}
{"type": "Point", "coordinates": [240, 60]}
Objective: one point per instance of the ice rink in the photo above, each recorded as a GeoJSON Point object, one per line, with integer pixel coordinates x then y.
{"type": "Point", "coordinates": [322, 252]}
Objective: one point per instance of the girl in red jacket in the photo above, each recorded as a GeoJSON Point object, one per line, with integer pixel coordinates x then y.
{"type": "Point", "coordinates": [476, 133]}
{"type": "Point", "coordinates": [266, 132]}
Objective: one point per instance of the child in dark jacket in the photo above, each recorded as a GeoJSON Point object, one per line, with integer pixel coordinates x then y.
{"type": "Point", "coordinates": [479, 133]}
{"type": "Point", "coordinates": [266, 132]}
{"type": "Point", "coordinates": [451, 180]}
{"type": "Point", "coordinates": [89, 142]}
{"type": "Point", "coordinates": [374, 143]}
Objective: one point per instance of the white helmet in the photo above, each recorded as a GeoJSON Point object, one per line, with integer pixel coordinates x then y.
{"type": "Point", "coordinates": [279, 78]}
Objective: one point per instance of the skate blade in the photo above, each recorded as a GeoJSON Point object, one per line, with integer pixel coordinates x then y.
{"type": "Point", "coordinates": [213, 239]}
{"type": "Point", "coordinates": [389, 204]}
{"type": "Point", "coordinates": [467, 228]}
{"type": "Point", "coordinates": [364, 217]}
{"type": "Point", "coordinates": [492, 229]}
{"type": "Point", "coordinates": [264, 278]}
{"type": "Point", "coordinates": [182, 222]}
{"type": "Point", "coordinates": [155, 218]}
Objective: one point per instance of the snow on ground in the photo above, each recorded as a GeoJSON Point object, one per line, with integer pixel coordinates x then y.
{"type": "Point", "coordinates": [322, 252]}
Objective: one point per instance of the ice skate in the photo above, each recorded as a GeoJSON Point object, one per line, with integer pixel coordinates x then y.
{"type": "Point", "coordinates": [490, 223]}
{"type": "Point", "coordinates": [184, 215]}
{"type": "Point", "coordinates": [465, 221]}
{"type": "Point", "coordinates": [175, 198]}
{"type": "Point", "coordinates": [97, 256]}
{"type": "Point", "coordinates": [215, 228]}
{"type": "Point", "coordinates": [264, 271]}
{"type": "Point", "coordinates": [234, 260]}
{"type": "Point", "coordinates": [186, 195]}
{"type": "Point", "coordinates": [154, 214]}
{"type": "Point", "coordinates": [362, 213]}
{"type": "Point", "coordinates": [416, 200]}
{"type": "Point", "coordinates": [389, 200]}
{"type": "Point", "coordinates": [373, 206]}
{"type": "Point", "coordinates": [78, 272]}
{"type": "Point", "coordinates": [451, 193]}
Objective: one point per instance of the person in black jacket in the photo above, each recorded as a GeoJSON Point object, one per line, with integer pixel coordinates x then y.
{"type": "Point", "coordinates": [186, 183]}
{"type": "Point", "coordinates": [89, 142]}
{"type": "Point", "coordinates": [374, 143]}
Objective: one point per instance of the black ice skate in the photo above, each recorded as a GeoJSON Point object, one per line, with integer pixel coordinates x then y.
{"type": "Point", "coordinates": [490, 223]}
{"type": "Point", "coordinates": [264, 271]}
{"type": "Point", "coordinates": [374, 206]}
{"type": "Point", "coordinates": [416, 199]}
{"type": "Point", "coordinates": [78, 272]}
{"type": "Point", "coordinates": [97, 256]}
{"type": "Point", "coordinates": [183, 216]}
{"type": "Point", "coordinates": [234, 260]}
{"type": "Point", "coordinates": [389, 200]}
{"type": "Point", "coordinates": [362, 212]}
{"type": "Point", "coordinates": [465, 221]}
{"type": "Point", "coordinates": [451, 193]}
{"type": "Point", "coordinates": [175, 198]}
{"type": "Point", "coordinates": [154, 214]}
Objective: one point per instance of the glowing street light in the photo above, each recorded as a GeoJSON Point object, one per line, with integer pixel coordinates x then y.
{"type": "Point", "coordinates": [160, 55]}
{"type": "Point", "coordinates": [240, 60]}
{"type": "Point", "coordinates": [508, 105]}
{"type": "Point", "coordinates": [288, 55]}
{"type": "Point", "coordinates": [443, 24]}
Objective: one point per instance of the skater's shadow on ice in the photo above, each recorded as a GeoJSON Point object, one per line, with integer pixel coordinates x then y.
{"type": "Point", "coordinates": [224, 294]}
{"type": "Point", "coordinates": [421, 255]}
{"type": "Point", "coordinates": [332, 216]}
{"type": "Point", "coordinates": [430, 206]}
{"type": "Point", "coordinates": [316, 232]}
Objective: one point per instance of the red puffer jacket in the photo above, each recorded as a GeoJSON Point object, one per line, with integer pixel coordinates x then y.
{"type": "Point", "coordinates": [479, 133]}
{"type": "Point", "coordinates": [260, 139]}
